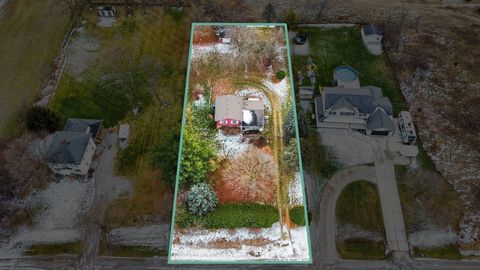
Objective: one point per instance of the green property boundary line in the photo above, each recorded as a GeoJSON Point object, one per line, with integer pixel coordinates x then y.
{"type": "Point", "coordinates": [177, 177]}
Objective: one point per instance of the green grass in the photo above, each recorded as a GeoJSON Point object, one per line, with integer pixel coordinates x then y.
{"type": "Point", "coordinates": [30, 39]}
{"type": "Point", "coordinates": [359, 205]}
{"type": "Point", "coordinates": [449, 252]}
{"type": "Point", "coordinates": [230, 216]}
{"type": "Point", "coordinates": [361, 249]}
{"type": "Point", "coordinates": [132, 251]}
{"type": "Point", "coordinates": [52, 249]}
{"type": "Point", "coordinates": [344, 46]}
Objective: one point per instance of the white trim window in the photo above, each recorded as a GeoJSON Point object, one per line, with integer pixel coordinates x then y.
{"type": "Point", "coordinates": [223, 122]}
{"type": "Point", "coordinates": [234, 122]}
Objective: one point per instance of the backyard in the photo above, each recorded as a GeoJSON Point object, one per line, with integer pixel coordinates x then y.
{"type": "Point", "coordinates": [239, 165]}
{"type": "Point", "coordinates": [127, 73]}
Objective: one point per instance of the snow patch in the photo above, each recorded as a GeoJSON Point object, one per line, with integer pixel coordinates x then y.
{"type": "Point", "coordinates": [432, 238]}
{"type": "Point", "coordinates": [295, 191]}
{"type": "Point", "coordinates": [60, 206]}
{"type": "Point", "coordinates": [231, 145]}
{"type": "Point", "coordinates": [191, 245]}
{"type": "Point", "coordinates": [282, 89]}
{"type": "Point", "coordinates": [221, 48]}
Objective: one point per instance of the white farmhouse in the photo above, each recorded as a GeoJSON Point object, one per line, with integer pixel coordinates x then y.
{"type": "Point", "coordinates": [70, 152]}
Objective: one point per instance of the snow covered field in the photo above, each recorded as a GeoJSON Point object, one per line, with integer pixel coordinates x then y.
{"type": "Point", "coordinates": [193, 246]}
{"type": "Point", "coordinates": [60, 206]}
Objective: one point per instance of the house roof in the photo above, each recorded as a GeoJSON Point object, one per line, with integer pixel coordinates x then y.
{"type": "Point", "coordinates": [124, 131]}
{"type": "Point", "coordinates": [253, 104]}
{"type": "Point", "coordinates": [343, 103]}
{"type": "Point", "coordinates": [67, 147]}
{"type": "Point", "coordinates": [371, 29]}
{"type": "Point", "coordinates": [379, 120]}
{"type": "Point", "coordinates": [228, 107]}
{"type": "Point", "coordinates": [82, 125]}
{"type": "Point", "coordinates": [365, 99]}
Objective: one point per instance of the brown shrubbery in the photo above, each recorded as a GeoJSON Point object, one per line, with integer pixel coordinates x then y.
{"type": "Point", "coordinates": [248, 178]}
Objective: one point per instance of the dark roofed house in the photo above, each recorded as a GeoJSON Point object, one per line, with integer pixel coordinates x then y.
{"type": "Point", "coordinates": [91, 126]}
{"type": "Point", "coordinates": [70, 152]}
{"type": "Point", "coordinates": [363, 108]}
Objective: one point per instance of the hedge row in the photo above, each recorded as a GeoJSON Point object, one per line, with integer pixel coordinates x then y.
{"type": "Point", "coordinates": [231, 216]}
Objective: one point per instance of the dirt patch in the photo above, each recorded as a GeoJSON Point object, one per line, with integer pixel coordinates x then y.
{"type": "Point", "coordinates": [204, 36]}
{"type": "Point", "coordinates": [222, 87]}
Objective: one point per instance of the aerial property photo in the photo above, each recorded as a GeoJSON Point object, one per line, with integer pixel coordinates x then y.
{"type": "Point", "coordinates": [239, 192]}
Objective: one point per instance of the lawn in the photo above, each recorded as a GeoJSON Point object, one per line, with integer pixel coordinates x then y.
{"type": "Point", "coordinates": [449, 252]}
{"type": "Point", "coordinates": [52, 249]}
{"type": "Point", "coordinates": [141, 64]}
{"type": "Point", "coordinates": [359, 205]}
{"type": "Point", "coordinates": [361, 249]}
{"type": "Point", "coordinates": [30, 40]}
{"type": "Point", "coordinates": [344, 46]}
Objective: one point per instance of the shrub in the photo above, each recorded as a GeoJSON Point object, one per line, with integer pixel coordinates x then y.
{"type": "Point", "coordinates": [297, 215]}
{"type": "Point", "coordinates": [290, 155]}
{"type": "Point", "coordinates": [201, 199]}
{"type": "Point", "coordinates": [281, 75]}
{"type": "Point", "coordinates": [231, 216]}
{"type": "Point", "coordinates": [42, 119]}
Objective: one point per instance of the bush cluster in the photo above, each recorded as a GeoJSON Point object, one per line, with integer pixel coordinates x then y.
{"type": "Point", "coordinates": [297, 215]}
{"type": "Point", "coordinates": [201, 199]}
{"type": "Point", "coordinates": [281, 74]}
{"type": "Point", "coordinates": [231, 216]}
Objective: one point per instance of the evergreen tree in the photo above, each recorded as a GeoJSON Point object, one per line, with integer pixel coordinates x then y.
{"type": "Point", "coordinates": [42, 119]}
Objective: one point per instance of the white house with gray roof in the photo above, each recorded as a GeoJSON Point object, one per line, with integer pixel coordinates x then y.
{"type": "Point", "coordinates": [70, 152]}
{"type": "Point", "coordinates": [364, 109]}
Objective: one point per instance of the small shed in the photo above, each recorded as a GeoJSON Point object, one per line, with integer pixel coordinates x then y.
{"type": "Point", "coordinates": [124, 132]}
{"type": "Point", "coordinates": [107, 11]}
{"type": "Point", "coordinates": [372, 36]}
{"type": "Point", "coordinates": [306, 92]}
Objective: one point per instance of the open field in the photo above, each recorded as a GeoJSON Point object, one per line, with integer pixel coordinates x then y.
{"type": "Point", "coordinates": [30, 40]}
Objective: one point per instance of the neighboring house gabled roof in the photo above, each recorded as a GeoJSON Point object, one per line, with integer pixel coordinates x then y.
{"type": "Point", "coordinates": [82, 125]}
{"type": "Point", "coordinates": [67, 147]}
{"type": "Point", "coordinates": [379, 120]}
{"type": "Point", "coordinates": [342, 103]}
{"type": "Point", "coordinates": [228, 107]}
{"type": "Point", "coordinates": [364, 99]}
{"type": "Point", "coordinates": [372, 29]}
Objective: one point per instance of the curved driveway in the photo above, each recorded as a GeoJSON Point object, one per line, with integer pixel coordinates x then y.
{"type": "Point", "coordinates": [331, 192]}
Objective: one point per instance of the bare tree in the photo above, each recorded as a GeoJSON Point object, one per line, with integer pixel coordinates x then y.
{"type": "Point", "coordinates": [322, 7]}
{"type": "Point", "coordinates": [24, 162]}
{"type": "Point", "coordinates": [249, 178]}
